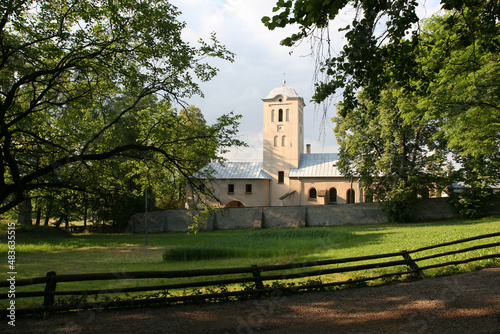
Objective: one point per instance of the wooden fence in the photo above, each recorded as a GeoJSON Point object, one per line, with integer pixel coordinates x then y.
{"type": "Point", "coordinates": [257, 275]}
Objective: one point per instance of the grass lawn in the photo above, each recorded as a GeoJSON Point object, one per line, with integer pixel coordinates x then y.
{"type": "Point", "coordinates": [42, 251]}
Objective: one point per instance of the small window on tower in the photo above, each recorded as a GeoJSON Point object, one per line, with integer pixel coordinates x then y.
{"type": "Point", "coordinates": [283, 141]}
{"type": "Point", "coordinates": [248, 188]}
{"type": "Point", "coordinates": [280, 115]}
{"type": "Point", "coordinates": [230, 188]}
{"type": "Point", "coordinates": [288, 115]}
{"type": "Point", "coordinates": [281, 177]}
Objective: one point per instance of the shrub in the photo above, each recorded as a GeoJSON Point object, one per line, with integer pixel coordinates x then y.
{"type": "Point", "coordinates": [400, 210]}
{"type": "Point", "coordinates": [470, 203]}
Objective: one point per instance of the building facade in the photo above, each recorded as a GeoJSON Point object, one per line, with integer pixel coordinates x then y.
{"type": "Point", "coordinates": [288, 175]}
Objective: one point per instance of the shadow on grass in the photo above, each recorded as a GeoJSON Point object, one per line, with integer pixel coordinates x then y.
{"type": "Point", "coordinates": [271, 243]}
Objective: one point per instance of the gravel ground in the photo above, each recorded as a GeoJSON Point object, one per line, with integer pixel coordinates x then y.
{"type": "Point", "coordinates": [462, 303]}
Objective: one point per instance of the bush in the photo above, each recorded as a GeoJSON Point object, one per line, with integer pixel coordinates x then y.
{"type": "Point", "coordinates": [470, 203]}
{"type": "Point", "coordinates": [400, 210]}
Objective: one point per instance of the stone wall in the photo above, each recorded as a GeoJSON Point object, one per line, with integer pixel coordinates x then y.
{"type": "Point", "coordinates": [289, 216]}
{"type": "Point", "coordinates": [345, 214]}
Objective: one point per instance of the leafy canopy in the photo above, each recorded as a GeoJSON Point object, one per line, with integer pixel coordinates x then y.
{"type": "Point", "coordinates": [413, 92]}
{"type": "Point", "coordinates": [73, 78]}
{"type": "Point", "coordinates": [382, 34]}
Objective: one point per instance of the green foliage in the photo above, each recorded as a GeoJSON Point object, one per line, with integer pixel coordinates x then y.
{"type": "Point", "coordinates": [399, 139]}
{"type": "Point", "coordinates": [471, 203]}
{"type": "Point", "coordinates": [86, 90]}
{"type": "Point", "coordinates": [425, 92]}
{"type": "Point", "coordinates": [399, 210]}
{"type": "Point", "coordinates": [361, 62]}
{"type": "Point", "coordinates": [370, 48]}
{"type": "Point", "coordinates": [397, 158]}
{"type": "Point", "coordinates": [461, 95]}
{"type": "Point", "coordinates": [37, 232]}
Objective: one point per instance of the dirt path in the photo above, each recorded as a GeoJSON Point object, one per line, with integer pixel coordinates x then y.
{"type": "Point", "coordinates": [463, 303]}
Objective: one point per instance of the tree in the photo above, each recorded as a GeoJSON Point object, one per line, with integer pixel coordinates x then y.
{"type": "Point", "coordinates": [451, 108]}
{"type": "Point", "coordinates": [444, 72]}
{"type": "Point", "coordinates": [113, 190]}
{"type": "Point", "coordinates": [382, 34]}
{"type": "Point", "coordinates": [63, 67]}
{"type": "Point", "coordinates": [462, 95]}
{"type": "Point", "coordinates": [397, 159]}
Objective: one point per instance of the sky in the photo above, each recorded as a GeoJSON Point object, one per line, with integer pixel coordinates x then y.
{"type": "Point", "coordinates": [260, 65]}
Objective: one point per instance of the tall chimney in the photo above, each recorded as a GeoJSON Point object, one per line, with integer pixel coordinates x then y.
{"type": "Point", "coordinates": [308, 148]}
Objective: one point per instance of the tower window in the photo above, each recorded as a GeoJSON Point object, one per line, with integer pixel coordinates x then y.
{"type": "Point", "coordinates": [281, 177]}
{"type": "Point", "coordinates": [230, 188]}
{"type": "Point", "coordinates": [283, 141]}
{"type": "Point", "coordinates": [248, 188]}
{"type": "Point", "coordinates": [288, 115]}
{"type": "Point", "coordinates": [280, 115]}
{"type": "Point", "coordinates": [272, 115]}
{"type": "Point", "coordinates": [275, 141]}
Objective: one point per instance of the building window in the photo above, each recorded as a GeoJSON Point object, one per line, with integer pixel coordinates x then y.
{"type": "Point", "coordinates": [272, 115]}
{"type": "Point", "coordinates": [283, 141]}
{"type": "Point", "coordinates": [281, 177]}
{"type": "Point", "coordinates": [312, 194]}
{"type": "Point", "coordinates": [288, 115]}
{"type": "Point", "coordinates": [333, 195]}
{"type": "Point", "coordinates": [351, 196]}
{"type": "Point", "coordinates": [275, 141]}
{"type": "Point", "coordinates": [280, 115]}
{"type": "Point", "coordinates": [230, 188]}
{"type": "Point", "coordinates": [248, 189]}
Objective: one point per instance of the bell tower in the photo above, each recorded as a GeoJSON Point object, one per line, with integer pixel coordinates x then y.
{"type": "Point", "coordinates": [283, 137]}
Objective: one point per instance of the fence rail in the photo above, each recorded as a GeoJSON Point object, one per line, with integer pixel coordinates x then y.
{"type": "Point", "coordinates": [253, 274]}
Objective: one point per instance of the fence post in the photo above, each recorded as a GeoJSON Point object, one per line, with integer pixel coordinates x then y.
{"type": "Point", "coordinates": [50, 288]}
{"type": "Point", "coordinates": [413, 265]}
{"type": "Point", "coordinates": [256, 273]}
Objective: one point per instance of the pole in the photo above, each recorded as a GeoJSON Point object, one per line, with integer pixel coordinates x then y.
{"type": "Point", "coordinates": [146, 215]}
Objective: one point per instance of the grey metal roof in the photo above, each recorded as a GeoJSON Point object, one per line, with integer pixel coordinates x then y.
{"type": "Point", "coordinates": [317, 165]}
{"type": "Point", "coordinates": [282, 90]}
{"type": "Point", "coordinates": [236, 170]}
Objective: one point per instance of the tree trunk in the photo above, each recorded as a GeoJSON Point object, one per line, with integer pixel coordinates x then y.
{"type": "Point", "coordinates": [49, 211]}
{"type": "Point", "coordinates": [86, 211]}
{"type": "Point", "coordinates": [38, 215]}
{"type": "Point", "coordinates": [24, 217]}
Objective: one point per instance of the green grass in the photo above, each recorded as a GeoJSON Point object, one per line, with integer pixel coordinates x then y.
{"type": "Point", "coordinates": [39, 251]}
{"type": "Point", "coordinates": [262, 244]}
